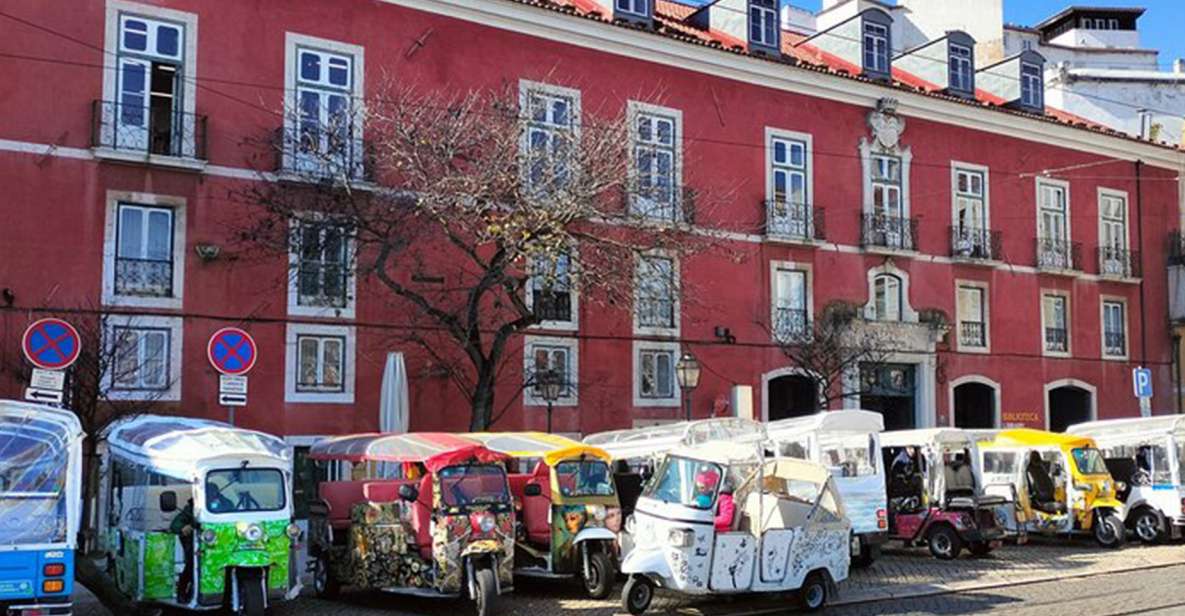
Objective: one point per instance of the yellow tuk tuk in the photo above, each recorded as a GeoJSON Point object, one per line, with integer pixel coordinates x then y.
{"type": "Point", "coordinates": [1061, 481]}
{"type": "Point", "coordinates": [569, 513]}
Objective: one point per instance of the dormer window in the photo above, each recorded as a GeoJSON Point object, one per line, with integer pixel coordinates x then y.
{"type": "Point", "coordinates": [639, 8]}
{"type": "Point", "coordinates": [1032, 86]}
{"type": "Point", "coordinates": [962, 69]}
{"type": "Point", "coordinates": [876, 48]}
{"type": "Point", "coordinates": [763, 23]}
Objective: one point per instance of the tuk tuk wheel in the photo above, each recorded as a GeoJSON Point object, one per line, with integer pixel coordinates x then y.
{"type": "Point", "coordinates": [814, 592]}
{"type": "Point", "coordinates": [944, 542]}
{"type": "Point", "coordinates": [599, 581]}
{"type": "Point", "coordinates": [637, 594]}
{"type": "Point", "coordinates": [324, 584]}
{"type": "Point", "coordinates": [1109, 531]}
{"type": "Point", "coordinates": [251, 601]}
{"type": "Point", "coordinates": [487, 589]}
{"type": "Point", "coordinates": [1147, 526]}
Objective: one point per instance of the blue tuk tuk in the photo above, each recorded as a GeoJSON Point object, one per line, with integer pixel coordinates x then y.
{"type": "Point", "coordinates": [40, 506]}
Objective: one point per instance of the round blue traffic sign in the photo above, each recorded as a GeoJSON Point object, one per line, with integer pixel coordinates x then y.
{"type": "Point", "coordinates": [231, 351]}
{"type": "Point", "coordinates": [51, 344]}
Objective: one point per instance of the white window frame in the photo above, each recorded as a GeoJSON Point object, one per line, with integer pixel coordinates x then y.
{"type": "Point", "coordinates": [572, 347]}
{"type": "Point", "coordinates": [648, 330]}
{"type": "Point", "coordinates": [985, 306]}
{"type": "Point", "coordinates": [806, 140]}
{"type": "Point", "coordinates": [111, 249]}
{"type": "Point", "coordinates": [959, 167]}
{"type": "Point", "coordinates": [1121, 301]}
{"type": "Point", "coordinates": [767, 14]}
{"type": "Point", "coordinates": [295, 307]}
{"type": "Point", "coordinates": [1103, 195]}
{"type": "Point", "coordinates": [293, 43]}
{"type": "Point", "coordinates": [886, 36]}
{"type": "Point", "coordinates": [962, 65]}
{"type": "Point", "coordinates": [291, 367]}
{"type": "Point", "coordinates": [1064, 186]}
{"type": "Point", "coordinates": [807, 270]}
{"type": "Point", "coordinates": [908, 314]}
{"type": "Point", "coordinates": [633, 7]}
{"type": "Point", "coordinates": [572, 324]}
{"type": "Point", "coordinates": [115, 10]}
{"type": "Point", "coordinates": [640, 346]}
{"type": "Point", "coordinates": [172, 325]}
{"type": "Point", "coordinates": [527, 89]}
{"type": "Point", "coordinates": [634, 110]}
{"type": "Point", "coordinates": [1032, 88]}
{"type": "Point", "coordinates": [1068, 325]}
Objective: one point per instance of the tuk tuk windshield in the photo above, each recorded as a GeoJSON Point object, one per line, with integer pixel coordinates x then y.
{"type": "Point", "coordinates": [245, 489]}
{"type": "Point", "coordinates": [1089, 461]}
{"type": "Point", "coordinates": [584, 478]}
{"type": "Point", "coordinates": [690, 483]}
{"type": "Point", "coordinates": [32, 480]}
{"type": "Point", "coordinates": [849, 456]}
{"type": "Point", "coordinates": [483, 484]}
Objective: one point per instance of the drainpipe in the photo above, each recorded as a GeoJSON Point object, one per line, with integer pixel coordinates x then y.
{"type": "Point", "coordinates": [1143, 271]}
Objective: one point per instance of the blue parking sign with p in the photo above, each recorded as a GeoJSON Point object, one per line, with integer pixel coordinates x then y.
{"type": "Point", "coordinates": [1142, 382]}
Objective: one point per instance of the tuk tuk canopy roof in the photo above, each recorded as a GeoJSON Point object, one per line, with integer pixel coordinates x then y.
{"type": "Point", "coordinates": [57, 428]}
{"type": "Point", "coordinates": [175, 445]}
{"type": "Point", "coordinates": [1113, 430]}
{"type": "Point", "coordinates": [435, 450]}
{"type": "Point", "coordinates": [720, 452]}
{"type": "Point", "coordinates": [552, 448]}
{"type": "Point", "coordinates": [40, 456]}
{"type": "Point", "coordinates": [654, 440]}
{"type": "Point", "coordinates": [926, 436]}
{"type": "Point", "coordinates": [1028, 437]}
{"type": "Point", "coordinates": [862, 422]}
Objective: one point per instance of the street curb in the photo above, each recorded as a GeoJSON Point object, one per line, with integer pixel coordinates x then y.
{"type": "Point", "coordinates": [930, 590]}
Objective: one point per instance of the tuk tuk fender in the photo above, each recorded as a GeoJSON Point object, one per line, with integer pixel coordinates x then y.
{"type": "Point", "coordinates": [650, 563]}
{"type": "Point", "coordinates": [472, 557]}
{"type": "Point", "coordinates": [594, 534]}
{"type": "Point", "coordinates": [1109, 503]}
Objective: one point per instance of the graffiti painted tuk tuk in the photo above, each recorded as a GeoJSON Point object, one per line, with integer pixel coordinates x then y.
{"type": "Point", "coordinates": [40, 503]}
{"type": "Point", "coordinates": [1063, 483]}
{"type": "Point", "coordinates": [197, 514]}
{"type": "Point", "coordinates": [787, 531]}
{"type": "Point", "coordinates": [848, 444]}
{"type": "Point", "coordinates": [435, 519]}
{"type": "Point", "coordinates": [1147, 456]}
{"type": "Point", "coordinates": [569, 516]}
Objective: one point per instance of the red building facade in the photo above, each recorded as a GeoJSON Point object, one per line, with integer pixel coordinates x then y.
{"type": "Point", "coordinates": [1015, 253]}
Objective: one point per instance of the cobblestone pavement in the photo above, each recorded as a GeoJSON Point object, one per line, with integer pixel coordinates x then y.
{"type": "Point", "coordinates": [903, 582]}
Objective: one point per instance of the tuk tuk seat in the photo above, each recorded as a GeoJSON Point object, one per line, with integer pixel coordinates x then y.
{"type": "Point", "coordinates": [341, 496]}
{"type": "Point", "coordinates": [421, 518]}
{"type": "Point", "coordinates": [536, 509]}
{"type": "Point", "coordinates": [1041, 486]}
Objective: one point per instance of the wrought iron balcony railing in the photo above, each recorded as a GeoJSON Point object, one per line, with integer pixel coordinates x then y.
{"type": "Point", "coordinates": [1057, 339]}
{"type": "Point", "coordinates": [1119, 262]}
{"type": "Point", "coordinates": [794, 221]}
{"type": "Point", "coordinates": [885, 231]}
{"type": "Point", "coordinates": [1114, 343]}
{"type": "Point", "coordinates": [972, 334]}
{"type": "Point", "coordinates": [791, 325]}
{"type": "Point", "coordinates": [143, 277]}
{"type": "Point", "coordinates": [975, 243]}
{"type": "Point", "coordinates": [323, 155]}
{"type": "Point", "coordinates": [144, 129]}
{"type": "Point", "coordinates": [1058, 254]}
{"type": "Point", "coordinates": [656, 312]}
{"type": "Point", "coordinates": [551, 305]}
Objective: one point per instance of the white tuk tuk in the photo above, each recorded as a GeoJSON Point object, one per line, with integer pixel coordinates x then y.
{"type": "Point", "coordinates": [1146, 455]}
{"type": "Point", "coordinates": [848, 444]}
{"type": "Point", "coordinates": [787, 532]}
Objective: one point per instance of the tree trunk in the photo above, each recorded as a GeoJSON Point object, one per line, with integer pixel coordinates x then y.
{"type": "Point", "coordinates": [482, 409]}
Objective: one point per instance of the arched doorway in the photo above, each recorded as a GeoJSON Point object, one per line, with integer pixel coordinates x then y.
{"type": "Point", "coordinates": [1068, 405]}
{"type": "Point", "coordinates": [891, 390]}
{"type": "Point", "coordinates": [791, 395]}
{"type": "Point", "coordinates": [975, 406]}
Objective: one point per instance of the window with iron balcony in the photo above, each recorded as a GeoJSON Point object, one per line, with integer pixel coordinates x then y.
{"type": "Point", "coordinates": [144, 251]}
{"type": "Point", "coordinates": [324, 266]}
{"type": "Point", "coordinates": [789, 213]}
{"type": "Point", "coordinates": [322, 136]}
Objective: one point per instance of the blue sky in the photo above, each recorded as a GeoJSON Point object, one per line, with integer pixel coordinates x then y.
{"type": "Point", "coordinates": [1162, 27]}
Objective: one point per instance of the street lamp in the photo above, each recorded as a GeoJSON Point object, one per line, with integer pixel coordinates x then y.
{"type": "Point", "coordinates": [687, 371]}
{"type": "Point", "coordinates": [551, 387]}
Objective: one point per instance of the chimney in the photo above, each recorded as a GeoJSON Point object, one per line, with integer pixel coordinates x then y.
{"type": "Point", "coordinates": [1145, 118]}
{"type": "Point", "coordinates": [1179, 65]}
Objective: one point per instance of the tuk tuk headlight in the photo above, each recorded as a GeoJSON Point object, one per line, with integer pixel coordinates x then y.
{"type": "Point", "coordinates": [631, 525]}
{"type": "Point", "coordinates": [250, 532]}
{"type": "Point", "coordinates": [209, 536]}
{"type": "Point", "coordinates": [483, 523]}
{"type": "Point", "coordinates": [681, 537]}
{"type": "Point", "coordinates": [293, 531]}
{"type": "Point", "coordinates": [597, 512]}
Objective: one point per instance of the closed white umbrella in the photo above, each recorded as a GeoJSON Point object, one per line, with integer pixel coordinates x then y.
{"type": "Point", "coordinates": [394, 409]}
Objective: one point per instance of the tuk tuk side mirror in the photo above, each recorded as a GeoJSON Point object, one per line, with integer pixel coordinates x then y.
{"type": "Point", "coordinates": [408, 493]}
{"type": "Point", "coordinates": [168, 502]}
{"type": "Point", "coordinates": [532, 489]}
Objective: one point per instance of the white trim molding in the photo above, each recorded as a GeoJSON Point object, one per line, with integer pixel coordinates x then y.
{"type": "Point", "coordinates": [1083, 385]}
{"type": "Point", "coordinates": [174, 368]}
{"type": "Point", "coordinates": [349, 363]}
{"type": "Point", "coordinates": [572, 324]}
{"type": "Point", "coordinates": [295, 308]}
{"type": "Point", "coordinates": [807, 270]}
{"type": "Point", "coordinates": [1069, 325]}
{"type": "Point", "coordinates": [778, 373]}
{"type": "Point", "coordinates": [908, 314]}
{"type": "Point", "coordinates": [633, 109]}
{"type": "Point", "coordinates": [986, 303]}
{"type": "Point", "coordinates": [1105, 299]}
{"type": "Point", "coordinates": [572, 347]}
{"type": "Point", "coordinates": [116, 198]}
{"type": "Point", "coordinates": [294, 41]}
{"type": "Point", "coordinates": [981, 380]}
{"type": "Point", "coordinates": [645, 330]}
{"type": "Point", "coordinates": [674, 348]}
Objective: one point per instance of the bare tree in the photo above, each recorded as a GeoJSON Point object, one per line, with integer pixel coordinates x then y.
{"type": "Point", "coordinates": [833, 349]}
{"type": "Point", "coordinates": [475, 214]}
